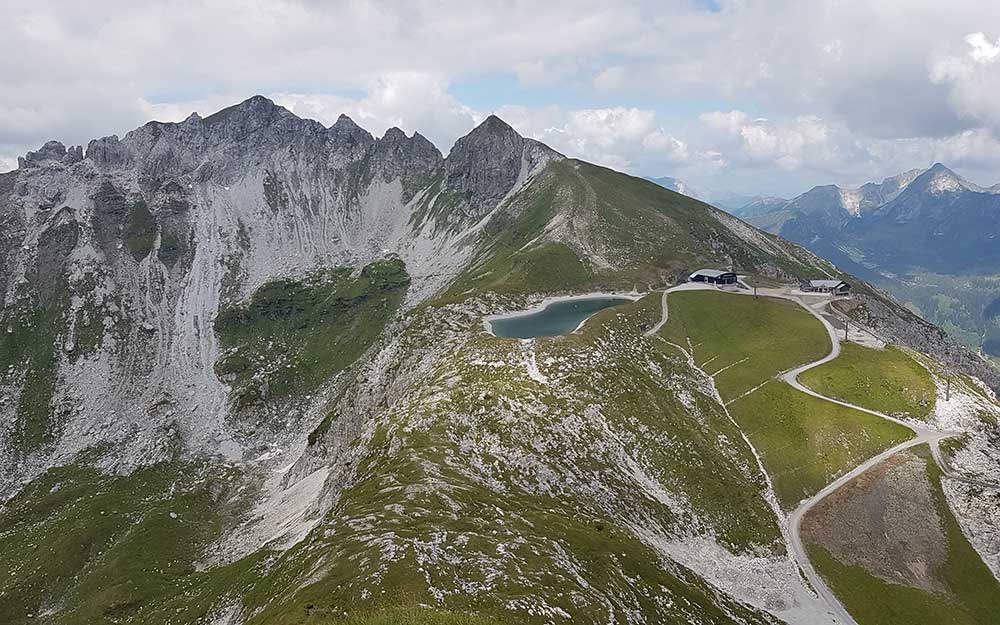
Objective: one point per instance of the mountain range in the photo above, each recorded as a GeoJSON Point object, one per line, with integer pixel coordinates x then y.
{"type": "Point", "coordinates": [929, 236]}
{"type": "Point", "coordinates": [245, 378]}
{"type": "Point", "coordinates": [726, 200]}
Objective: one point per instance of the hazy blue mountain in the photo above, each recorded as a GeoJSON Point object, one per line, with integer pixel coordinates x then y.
{"type": "Point", "coordinates": [676, 184]}
{"type": "Point", "coordinates": [929, 236]}
{"type": "Point", "coordinates": [729, 201]}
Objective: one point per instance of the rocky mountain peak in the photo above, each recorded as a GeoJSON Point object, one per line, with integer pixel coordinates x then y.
{"type": "Point", "coordinates": [346, 124]}
{"type": "Point", "coordinates": [492, 131]}
{"type": "Point", "coordinates": [52, 151]}
{"type": "Point", "coordinates": [492, 123]}
{"type": "Point", "coordinates": [940, 179]}
{"type": "Point", "coordinates": [256, 108]}
{"type": "Point", "coordinates": [409, 158]}
{"type": "Point", "coordinates": [345, 131]}
{"type": "Point", "coordinates": [394, 135]}
{"type": "Point", "coordinates": [485, 164]}
{"type": "Point", "coordinates": [872, 195]}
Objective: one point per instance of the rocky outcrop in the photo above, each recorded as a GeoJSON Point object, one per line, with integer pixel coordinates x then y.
{"type": "Point", "coordinates": [485, 164]}
{"type": "Point", "coordinates": [52, 151]}
{"type": "Point", "coordinates": [413, 160]}
{"type": "Point", "coordinates": [125, 255]}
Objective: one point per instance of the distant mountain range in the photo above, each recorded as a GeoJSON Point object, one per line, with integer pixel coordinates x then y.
{"type": "Point", "coordinates": [726, 200]}
{"type": "Point", "coordinates": [678, 185]}
{"type": "Point", "coordinates": [929, 236]}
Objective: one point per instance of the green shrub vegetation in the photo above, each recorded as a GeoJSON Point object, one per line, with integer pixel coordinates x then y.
{"type": "Point", "coordinates": [417, 616]}
{"type": "Point", "coordinates": [294, 335]}
{"type": "Point", "coordinates": [30, 347]}
{"type": "Point", "coordinates": [139, 232]}
{"type": "Point", "coordinates": [887, 380]}
{"type": "Point", "coordinates": [83, 547]}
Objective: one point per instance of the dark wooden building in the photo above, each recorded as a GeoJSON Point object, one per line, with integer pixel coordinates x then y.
{"type": "Point", "coordinates": [713, 276]}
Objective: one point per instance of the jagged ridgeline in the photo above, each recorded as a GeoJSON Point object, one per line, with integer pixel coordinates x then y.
{"type": "Point", "coordinates": [244, 379]}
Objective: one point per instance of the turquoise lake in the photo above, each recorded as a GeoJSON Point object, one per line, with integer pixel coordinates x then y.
{"type": "Point", "coordinates": [560, 317]}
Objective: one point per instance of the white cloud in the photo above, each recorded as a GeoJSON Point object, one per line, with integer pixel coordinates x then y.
{"type": "Point", "coordinates": [412, 101]}
{"type": "Point", "coordinates": [606, 127]}
{"type": "Point", "coordinates": [975, 150]}
{"type": "Point", "coordinates": [620, 137]}
{"type": "Point", "coordinates": [610, 79]}
{"type": "Point", "coordinates": [786, 144]}
{"type": "Point", "coordinates": [179, 111]}
{"type": "Point", "coordinates": [660, 141]}
{"type": "Point", "coordinates": [834, 78]}
{"type": "Point", "coordinates": [731, 122]}
{"type": "Point", "coordinates": [982, 50]}
{"type": "Point", "coordinates": [972, 77]}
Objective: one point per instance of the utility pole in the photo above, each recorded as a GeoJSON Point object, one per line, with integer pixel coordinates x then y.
{"type": "Point", "coordinates": [947, 392]}
{"type": "Point", "coordinates": [847, 326]}
{"type": "Point", "coordinates": [755, 291]}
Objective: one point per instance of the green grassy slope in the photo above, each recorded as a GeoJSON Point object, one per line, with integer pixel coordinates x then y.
{"type": "Point", "coordinates": [646, 221]}
{"type": "Point", "coordinates": [294, 335]}
{"type": "Point", "coordinates": [485, 492]}
{"type": "Point", "coordinates": [29, 350]}
{"type": "Point", "coordinates": [887, 380]}
{"type": "Point", "coordinates": [751, 338]}
{"type": "Point", "coordinates": [415, 616]}
{"type": "Point", "coordinates": [489, 491]}
{"type": "Point", "coordinates": [971, 596]}
{"type": "Point", "coordinates": [807, 442]}
{"type": "Point", "coordinates": [643, 234]}
{"type": "Point", "coordinates": [82, 547]}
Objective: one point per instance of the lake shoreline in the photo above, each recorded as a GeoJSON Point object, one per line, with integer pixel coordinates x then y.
{"type": "Point", "coordinates": [556, 299]}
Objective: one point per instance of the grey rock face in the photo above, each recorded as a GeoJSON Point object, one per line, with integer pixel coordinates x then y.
{"type": "Point", "coordinates": [411, 159]}
{"type": "Point", "coordinates": [107, 152]}
{"type": "Point", "coordinates": [344, 132]}
{"type": "Point", "coordinates": [484, 165]}
{"type": "Point", "coordinates": [129, 251]}
{"type": "Point", "coordinates": [51, 151]}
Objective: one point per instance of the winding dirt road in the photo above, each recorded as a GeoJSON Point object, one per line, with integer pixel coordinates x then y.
{"type": "Point", "coordinates": [921, 436]}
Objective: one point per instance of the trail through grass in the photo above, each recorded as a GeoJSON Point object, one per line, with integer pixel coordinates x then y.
{"type": "Point", "coordinates": [807, 442]}
{"type": "Point", "coordinates": [886, 380]}
{"type": "Point", "coordinates": [746, 339]}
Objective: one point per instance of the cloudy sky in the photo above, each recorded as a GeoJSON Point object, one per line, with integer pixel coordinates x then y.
{"type": "Point", "coordinates": [748, 96]}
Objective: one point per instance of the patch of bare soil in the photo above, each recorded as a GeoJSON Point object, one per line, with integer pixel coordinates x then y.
{"type": "Point", "coordinates": [885, 521]}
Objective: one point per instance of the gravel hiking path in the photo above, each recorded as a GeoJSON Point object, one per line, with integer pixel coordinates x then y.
{"type": "Point", "coordinates": [921, 436]}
